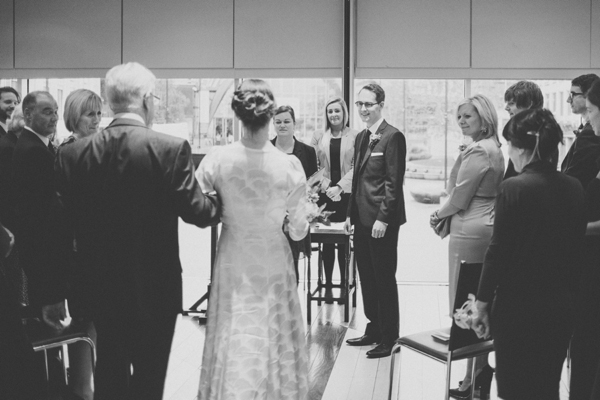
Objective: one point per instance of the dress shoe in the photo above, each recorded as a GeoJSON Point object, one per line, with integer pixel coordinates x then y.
{"type": "Point", "coordinates": [362, 341]}
{"type": "Point", "coordinates": [382, 350]}
{"type": "Point", "coordinates": [483, 382]}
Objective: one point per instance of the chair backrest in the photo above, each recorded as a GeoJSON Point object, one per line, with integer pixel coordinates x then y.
{"type": "Point", "coordinates": [468, 282]}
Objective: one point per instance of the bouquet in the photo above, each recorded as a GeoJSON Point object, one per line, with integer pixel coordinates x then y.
{"type": "Point", "coordinates": [316, 214]}
{"type": "Point", "coordinates": [464, 316]}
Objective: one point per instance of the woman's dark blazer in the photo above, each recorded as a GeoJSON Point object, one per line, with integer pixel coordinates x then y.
{"type": "Point", "coordinates": [539, 225]}
{"type": "Point", "coordinates": [306, 154]}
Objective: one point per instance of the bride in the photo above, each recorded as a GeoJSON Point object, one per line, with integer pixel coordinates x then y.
{"type": "Point", "coordinates": [255, 341]}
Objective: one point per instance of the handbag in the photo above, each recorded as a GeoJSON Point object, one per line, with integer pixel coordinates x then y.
{"type": "Point", "coordinates": [442, 229]}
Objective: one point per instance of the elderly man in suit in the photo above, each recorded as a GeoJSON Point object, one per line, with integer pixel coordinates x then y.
{"type": "Point", "coordinates": [35, 197]}
{"type": "Point", "coordinates": [376, 209]}
{"type": "Point", "coordinates": [9, 99]}
{"type": "Point", "coordinates": [123, 191]}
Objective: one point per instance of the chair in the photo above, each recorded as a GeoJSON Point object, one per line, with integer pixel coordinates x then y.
{"type": "Point", "coordinates": [461, 343]}
{"type": "Point", "coordinates": [43, 338]}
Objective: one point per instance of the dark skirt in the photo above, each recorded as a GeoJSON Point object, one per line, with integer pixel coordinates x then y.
{"type": "Point", "coordinates": [531, 338]}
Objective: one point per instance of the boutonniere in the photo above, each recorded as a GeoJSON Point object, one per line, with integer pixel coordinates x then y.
{"type": "Point", "coordinates": [374, 139]}
{"type": "Point", "coordinates": [462, 147]}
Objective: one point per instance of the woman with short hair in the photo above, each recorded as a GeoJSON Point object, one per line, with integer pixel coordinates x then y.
{"type": "Point", "coordinates": [83, 114]}
{"type": "Point", "coordinates": [284, 121]}
{"type": "Point", "coordinates": [472, 189]}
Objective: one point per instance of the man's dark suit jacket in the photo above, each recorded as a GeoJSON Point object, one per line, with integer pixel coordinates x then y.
{"type": "Point", "coordinates": [123, 191]}
{"type": "Point", "coordinates": [306, 154]}
{"type": "Point", "coordinates": [581, 161]}
{"type": "Point", "coordinates": [7, 195]}
{"type": "Point", "coordinates": [2, 132]}
{"type": "Point", "coordinates": [35, 233]}
{"type": "Point", "coordinates": [377, 183]}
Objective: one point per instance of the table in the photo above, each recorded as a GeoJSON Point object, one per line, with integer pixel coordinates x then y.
{"type": "Point", "coordinates": [334, 233]}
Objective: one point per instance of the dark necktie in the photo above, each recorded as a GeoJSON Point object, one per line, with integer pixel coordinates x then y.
{"type": "Point", "coordinates": [364, 144]}
{"type": "Point", "coordinates": [51, 148]}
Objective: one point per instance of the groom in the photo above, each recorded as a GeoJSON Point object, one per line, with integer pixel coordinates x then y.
{"type": "Point", "coordinates": [376, 209]}
{"type": "Point", "coordinates": [124, 190]}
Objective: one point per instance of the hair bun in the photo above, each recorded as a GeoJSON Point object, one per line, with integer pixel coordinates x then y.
{"type": "Point", "coordinates": [254, 106]}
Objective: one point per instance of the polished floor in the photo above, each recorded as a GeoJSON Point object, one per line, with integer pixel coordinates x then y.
{"type": "Point", "coordinates": [338, 371]}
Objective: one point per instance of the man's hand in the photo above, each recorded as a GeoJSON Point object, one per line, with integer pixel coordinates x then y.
{"type": "Point", "coordinates": [334, 193]}
{"type": "Point", "coordinates": [55, 315]}
{"type": "Point", "coordinates": [347, 227]}
{"type": "Point", "coordinates": [379, 229]}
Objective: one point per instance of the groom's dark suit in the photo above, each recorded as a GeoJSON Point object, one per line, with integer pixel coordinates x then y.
{"type": "Point", "coordinates": [377, 194]}
{"type": "Point", "coordinates": [123, 190]}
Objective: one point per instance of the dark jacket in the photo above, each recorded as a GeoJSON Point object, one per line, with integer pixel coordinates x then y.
{"type": "Point", "coordinates": [377, 184]}
{"type": "Point", "coordinates": [36, 219]}
{"type": "Point", "coordinates": [581, 161]}
{"type": "Point", "coordinates": [124, 190]}
{"type": "Point", "coordinates": [306, 154]}
{"type": "Point", "coordinates": [7, 195]}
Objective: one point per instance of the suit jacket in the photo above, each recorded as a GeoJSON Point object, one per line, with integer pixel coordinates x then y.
{"type": "Point", "coordinates": [36, 220]}
{"type": "Point", "coordinates": [581, 161]}
{"type": "Point", "coordinates": [320, 142]}
{"type": "Point", "coordinates": [123, 191]}
{"type": "Point", "coordinates": [7, 195]}
{"type": "Point", "coordinates": [377, 184]}
{"type": "Point", "coordinates": [306, 154]}
{"type": "Point", "coordinates": [2, 132]}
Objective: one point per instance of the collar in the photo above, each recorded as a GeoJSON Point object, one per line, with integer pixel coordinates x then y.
{"type": "Point", "coordinates": [42, 138]}
{"type": "Point", "coordinates": [373, 129]}
{"type": "Point", "coordinates": [4, 126]}
{"type": "Point", "coordinates": [134, 116]}
{"type": "Point", "coordinates": [540, 166]}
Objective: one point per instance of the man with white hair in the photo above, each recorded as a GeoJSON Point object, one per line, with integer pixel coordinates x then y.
{"type": "Point", "coordinates": [123, 190]}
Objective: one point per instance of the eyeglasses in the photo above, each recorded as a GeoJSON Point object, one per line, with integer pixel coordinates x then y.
{"type": "Point", "coordinates": [573, 94]}
{"type": "Point", "coordinates": [155, 100]}
{"type": "Point", "coordinates": [367, 104]}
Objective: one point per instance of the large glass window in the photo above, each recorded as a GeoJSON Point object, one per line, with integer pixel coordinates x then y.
{"type": "Point", "coordinates": [555, 94]}
{"type": "Point", "coordinates": [308, 98]}
{"type": "Point", "coordinates": [424, 110]}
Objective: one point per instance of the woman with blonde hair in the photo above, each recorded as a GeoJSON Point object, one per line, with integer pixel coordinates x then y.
{"type": "Point", "coordinates": [83, 114]}
{"type": "Point", "coordinates": [472, 188]}
{"type": "Point", "coordinates": [335, 153]}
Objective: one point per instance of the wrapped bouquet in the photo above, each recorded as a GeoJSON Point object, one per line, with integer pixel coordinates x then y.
{"type": "Point", "coordinates": [316, 214]}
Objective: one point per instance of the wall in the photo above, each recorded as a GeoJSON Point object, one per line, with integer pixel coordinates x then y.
{"type": "Point", "coordinates": [542, 39]}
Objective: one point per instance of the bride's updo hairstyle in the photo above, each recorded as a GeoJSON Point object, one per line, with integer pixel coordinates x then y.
{"type": "Point", "coordinates": [535, 130]}
{"type": "Point", "coordinates": [253, 103]}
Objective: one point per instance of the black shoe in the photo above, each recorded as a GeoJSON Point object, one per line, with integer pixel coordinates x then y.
{"type": "Point", "coordinates": [363, 341]}
{"type": "Point", "coordinates": [483, 382]}
{"type": "Point", "coordinates": [383, 350]}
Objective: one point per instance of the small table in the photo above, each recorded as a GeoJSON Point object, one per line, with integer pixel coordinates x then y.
{"type": "Point", "coordinates": [334, 233]}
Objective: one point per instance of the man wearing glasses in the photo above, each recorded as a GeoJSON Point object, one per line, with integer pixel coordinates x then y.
{"type": "Point", "coordinates": [581, 162]}
{"type": "Point", "coordinates": [376, 209]}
